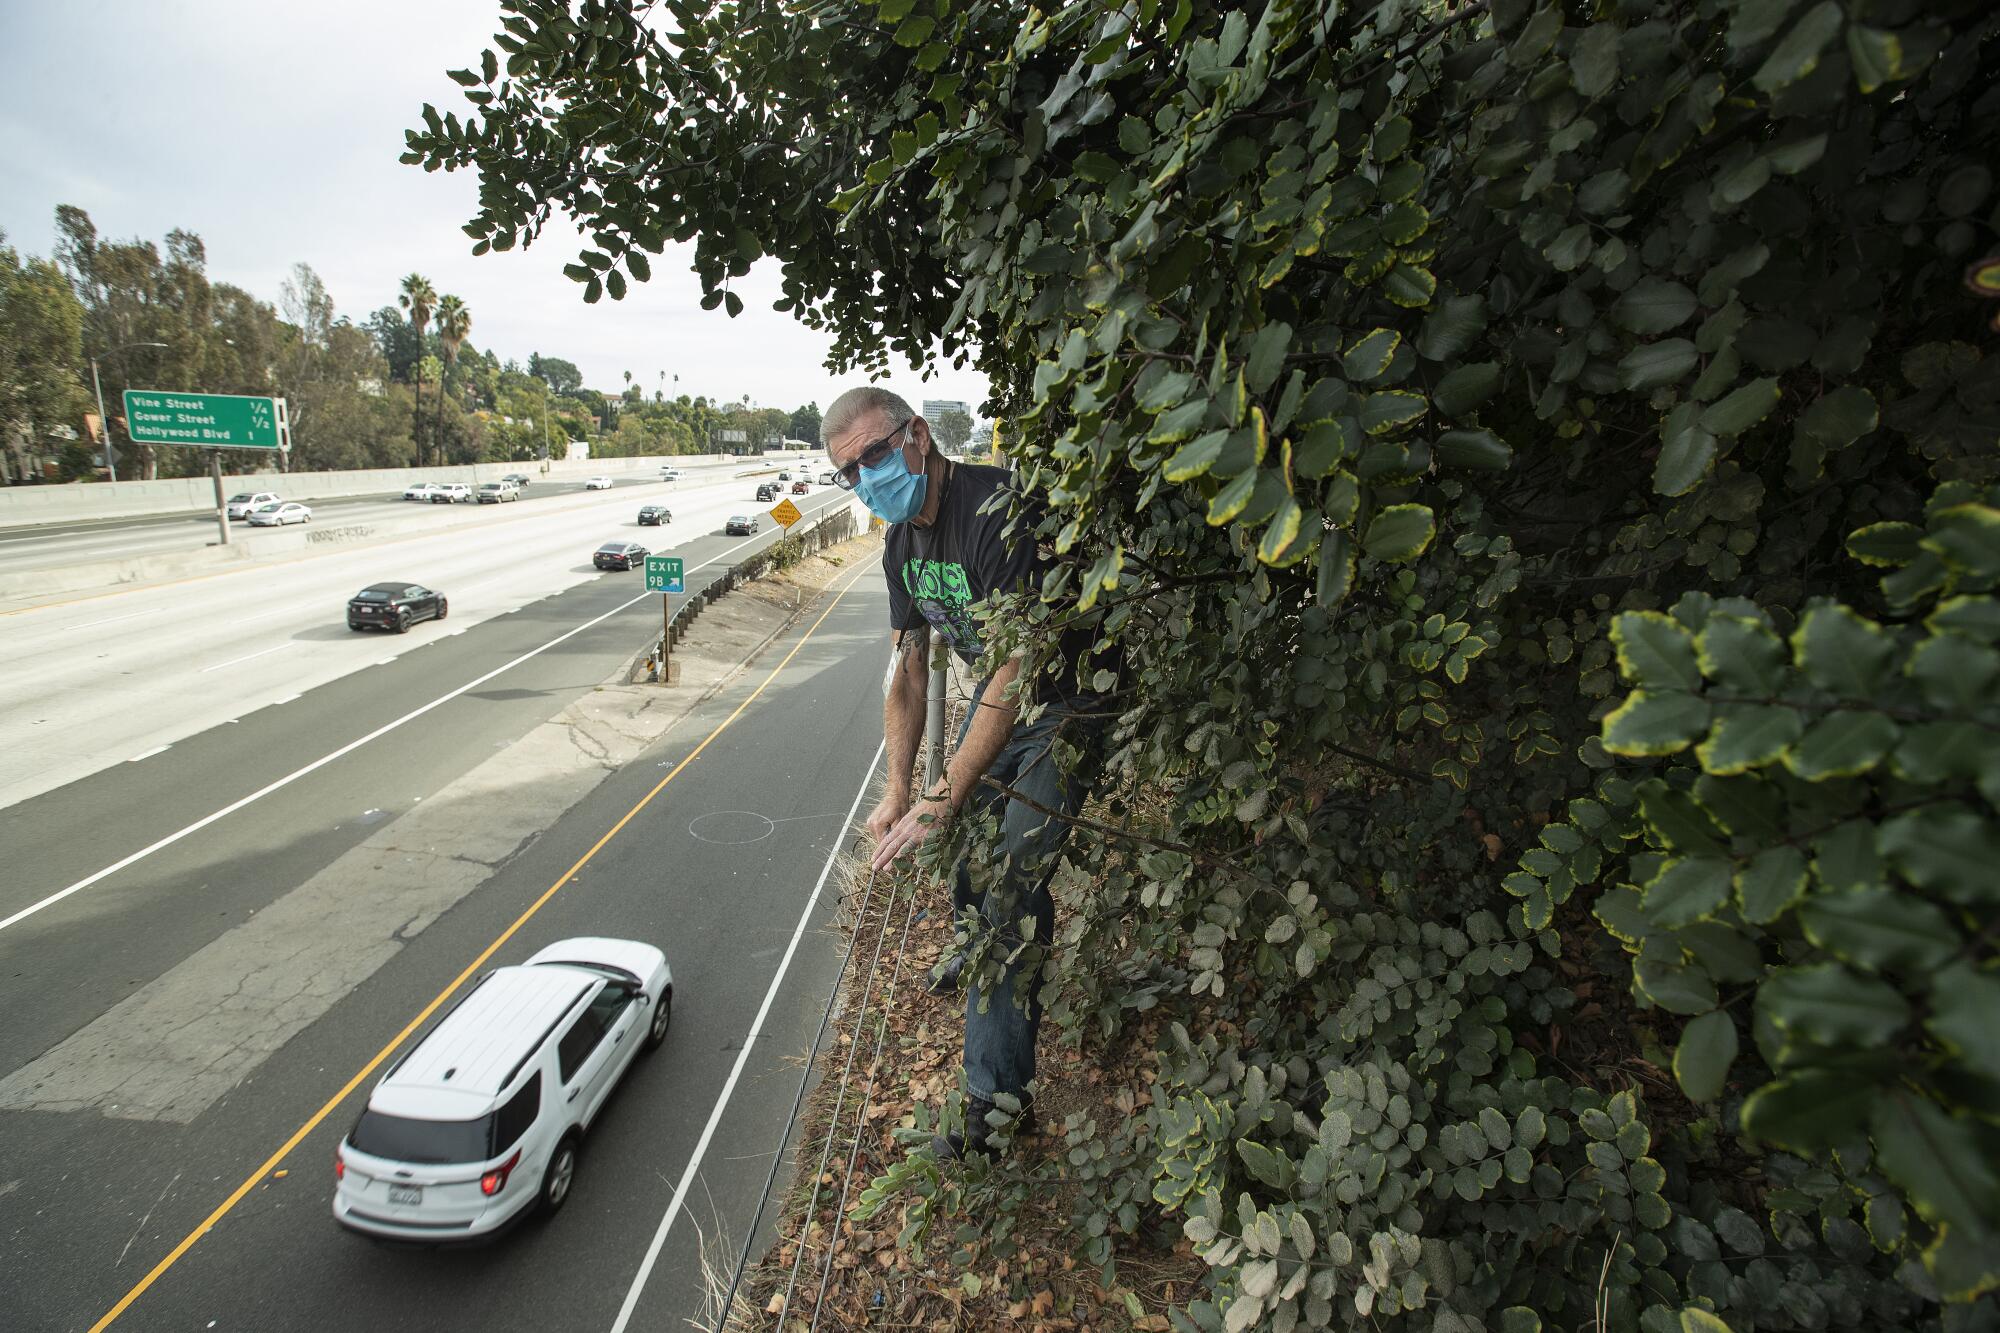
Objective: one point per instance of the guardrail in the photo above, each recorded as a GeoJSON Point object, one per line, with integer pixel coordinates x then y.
{"type": "Point", "coordinates": [835, 528]}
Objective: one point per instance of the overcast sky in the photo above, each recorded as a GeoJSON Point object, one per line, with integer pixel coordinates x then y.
{"type": "Point", "coordinates": [272, 132]}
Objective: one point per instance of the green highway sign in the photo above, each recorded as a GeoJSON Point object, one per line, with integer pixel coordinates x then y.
{"type": "Point", "coordinates": [663, 573]}
{"type": "Point", "coordinates": [206, 420]}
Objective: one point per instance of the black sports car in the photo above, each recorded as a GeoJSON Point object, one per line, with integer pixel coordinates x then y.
{"type": "Point", "coordinates": [395, 606]}
{"type": "Point", "coordinates": [651, 516]}
{"type": "Point", "coordinates": [619, 555]}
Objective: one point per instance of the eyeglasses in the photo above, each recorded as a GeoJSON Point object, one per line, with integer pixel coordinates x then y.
{"type": "Point", "coordinates": [847, 478]}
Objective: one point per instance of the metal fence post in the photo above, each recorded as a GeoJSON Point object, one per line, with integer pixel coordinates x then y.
{"type": "Point", "coordinates": [934, 719]}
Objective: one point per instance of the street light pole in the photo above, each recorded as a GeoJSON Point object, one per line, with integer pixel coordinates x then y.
{"type": "Point", "coordinates": [104, 422]}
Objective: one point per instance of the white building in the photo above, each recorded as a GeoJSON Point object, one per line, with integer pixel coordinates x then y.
{"type": "Point", "coordinates": [937, 407]}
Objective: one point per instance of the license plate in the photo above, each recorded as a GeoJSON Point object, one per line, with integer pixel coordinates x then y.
{"type": "Point", "coordinates": [411, 1194]}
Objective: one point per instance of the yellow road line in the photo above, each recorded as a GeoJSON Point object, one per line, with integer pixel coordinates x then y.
{"type": "Point", "coordinates": [333, 1103]}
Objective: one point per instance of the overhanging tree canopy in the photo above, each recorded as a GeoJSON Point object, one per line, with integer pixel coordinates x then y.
{"type": "Point", "coordinates": [1486, 428]}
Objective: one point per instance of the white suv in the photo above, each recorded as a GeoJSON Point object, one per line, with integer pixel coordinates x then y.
{"type": "Point", "coordinates": [482, 1120]}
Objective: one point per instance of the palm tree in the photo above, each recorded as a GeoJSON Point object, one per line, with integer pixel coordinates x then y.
{"type": "Point", "coordinates": [454, 321]}
{"type": "Point", "coordinates": [419, 298]}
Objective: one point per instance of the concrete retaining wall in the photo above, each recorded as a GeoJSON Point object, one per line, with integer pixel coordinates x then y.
{"type": "Point", "coordinates": [22, 506]}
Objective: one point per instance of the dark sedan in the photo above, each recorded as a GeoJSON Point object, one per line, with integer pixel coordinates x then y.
{"type": "Point", "coordinates": [740, 525]}
{"type": "Point", "coordinates": [619, 555]}
{"type": "Point", "coordinates": [651, 516]}
{"type": "Point", "coordinates": [395, 606]}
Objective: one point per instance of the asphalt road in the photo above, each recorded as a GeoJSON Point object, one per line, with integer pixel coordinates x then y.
{"type": "Point", "coordinates": [187, 531]}
{"type": "Point", "coordinates": [107, 678]}
{"type": "Point", "coordinates": [80, 541]}
{"type": "Point", "coordinates": [717, 868]}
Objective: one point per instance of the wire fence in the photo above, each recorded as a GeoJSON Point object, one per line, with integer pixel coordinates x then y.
{"type": "Point", "coordinates": [838, 1113]}
{"type": "Point", "coordinates": [872, 1002]}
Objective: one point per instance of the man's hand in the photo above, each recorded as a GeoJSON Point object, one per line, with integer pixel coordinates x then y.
{"type": "Point", "coordinates": [893, 807]}
{"type": "Point", "coordinates": [917, 825]}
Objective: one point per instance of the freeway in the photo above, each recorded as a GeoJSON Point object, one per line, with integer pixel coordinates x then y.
{"type": "Point", "coordinates": [711, 841]}
{"type": "Point", "coordinates": [81, 541]}
{"type": "Point", "coordinates": [200, 525]}
{"type": "Point", "coordinates": [112, 678]}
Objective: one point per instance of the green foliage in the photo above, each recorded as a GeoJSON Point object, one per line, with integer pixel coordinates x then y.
{"type": "Point", "coordinates": [358, 395]}
{"type": "Point", "coordinates": [41, 346]}
{"type": "Point", "coordinates": [1400, 380]}
{"type": "Point", "coordinates": [1831, 806]}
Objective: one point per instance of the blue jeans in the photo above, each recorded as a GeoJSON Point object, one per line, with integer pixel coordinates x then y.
{"type": "Point", "coordinates": [1000, 1027]}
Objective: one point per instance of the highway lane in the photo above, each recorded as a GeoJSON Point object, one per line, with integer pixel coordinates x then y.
{"type": "Point", "coordinates": [107, 679]}
{"type": "Point", "coordinates": [181, 896]}
{"type": "Point", "coordinates": [23, 549]}
{"type": "Point", "coordinates": [717, 868]}
{"type": "Point", "coordinates": [38, 545]}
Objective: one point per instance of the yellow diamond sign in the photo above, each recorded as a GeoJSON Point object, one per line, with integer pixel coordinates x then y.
{"type": "Point", "coordinates": [786, 513]}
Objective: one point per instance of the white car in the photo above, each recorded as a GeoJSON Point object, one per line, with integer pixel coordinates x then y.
{"type": "Point", "coordinates": [239, 506]}
{"type": "Point", "coordinates": [598, 484]}
{"type": "Point", "coordinates": [419, 490]}
{"type": "Point", "coordinates": [482, 1121]}
{"type": "Point", "coordinates": [456, 492]}
{"type": "Point", "coordinates": [826, 478]}
{"type": "Point", "coordinates": [279, 513]}
{"type": "Point", "coordinates": [670, 474]}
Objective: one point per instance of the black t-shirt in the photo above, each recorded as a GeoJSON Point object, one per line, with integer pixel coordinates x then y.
{"type": "Point", "coordinates": [938, 573]}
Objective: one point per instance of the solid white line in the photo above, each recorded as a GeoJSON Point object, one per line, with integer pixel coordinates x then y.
{"type": "Point", "coordinates": [235, 660]}
{"type": "Point", "coordinates": [742, 1058]}
{"type": "Point", "coordinates": [157, 749]}
{"type": "Point", "coordinates": [92, 624]}
{"type": "Point", "coordinates": [287, 699]}
{"type": "Point", "coordinates": [323, 761]}
{"type": "Point", "coordinates": [313, 767]}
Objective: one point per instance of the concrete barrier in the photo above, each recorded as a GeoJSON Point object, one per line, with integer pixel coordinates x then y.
{"type": "Point", "coordinates": [26, 506]}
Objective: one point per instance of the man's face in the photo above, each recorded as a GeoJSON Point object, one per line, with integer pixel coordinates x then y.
{"type": "Point", "coordinates": [858, 444]}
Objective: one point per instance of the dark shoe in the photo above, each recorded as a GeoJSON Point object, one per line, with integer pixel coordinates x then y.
{"type": "Point", "coordinates": [944, 977]}
{"type": "Point", "coordinates": [977, 1136]}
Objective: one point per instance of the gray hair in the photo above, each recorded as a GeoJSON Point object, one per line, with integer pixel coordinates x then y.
{"type": "Point", "coordinates": [855, 404]}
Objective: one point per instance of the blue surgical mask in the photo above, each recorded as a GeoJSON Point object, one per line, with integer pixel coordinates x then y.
{"type": "Point", "coordinates": [891, 491]}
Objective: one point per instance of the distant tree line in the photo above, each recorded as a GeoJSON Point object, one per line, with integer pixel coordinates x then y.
{"type": "Point", "coordinates": [403, 387]}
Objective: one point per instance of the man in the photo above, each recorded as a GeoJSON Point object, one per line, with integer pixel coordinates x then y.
{"type": "Point", "coordinates": [948, 550]}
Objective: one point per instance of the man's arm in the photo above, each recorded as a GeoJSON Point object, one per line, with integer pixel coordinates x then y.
{"type": "Point", "coordinates": [992, 725]}
{"type": "Point", "coordinates": [903, 725]}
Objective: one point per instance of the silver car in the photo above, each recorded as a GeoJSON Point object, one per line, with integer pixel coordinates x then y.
{"type": "Point", "coordinates": [278, 514]}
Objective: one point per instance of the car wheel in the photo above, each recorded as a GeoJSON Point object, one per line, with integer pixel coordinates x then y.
{"type": "Point", "coordinates": [559, 1176]}
{"type": "Point", "coordinates": [402, 622]}
{"type": "Point", "coordinates": [663, 1018]}
{"type": "Point", "coordinates": [443, 606]}
{"type": "Point", "coordinates": [354, 625]}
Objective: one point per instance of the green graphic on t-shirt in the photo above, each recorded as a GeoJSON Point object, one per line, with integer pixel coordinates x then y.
{"type": "Point", "coordinates": [944, 596]}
